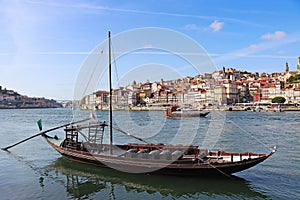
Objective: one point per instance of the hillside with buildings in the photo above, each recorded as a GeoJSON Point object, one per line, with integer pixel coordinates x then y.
{"type": "Point", "coordinates": [10, 99]}
{"type": "Point", "coordinates": [225, 87]}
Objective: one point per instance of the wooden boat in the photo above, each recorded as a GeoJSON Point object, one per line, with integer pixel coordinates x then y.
{"type": "Point", "coordinates": [175, 111]}
{"type": "Point", "coordinates": [154, 158]}
{"type": "Point", "coordinates": [176, 160]}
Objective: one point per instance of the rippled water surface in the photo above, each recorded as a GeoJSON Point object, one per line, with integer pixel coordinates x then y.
{"type": "Point", "coordinates": [33, 170]}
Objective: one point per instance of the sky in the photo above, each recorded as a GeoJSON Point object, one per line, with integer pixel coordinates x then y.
{"type": "Point", "coordinates": [43, 44]}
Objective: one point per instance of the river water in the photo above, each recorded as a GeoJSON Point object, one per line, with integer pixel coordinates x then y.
{"type": "Point", "coordinates": [33, 170]}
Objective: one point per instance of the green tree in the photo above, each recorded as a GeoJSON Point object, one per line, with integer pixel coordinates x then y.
{"type": "Point", "coordinates": [294, 79]}
{"type": "Point", "coordinates": [278, 100]}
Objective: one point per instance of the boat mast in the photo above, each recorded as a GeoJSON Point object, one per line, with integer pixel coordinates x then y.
{"type": "Point", "coordinates": [110, 91]}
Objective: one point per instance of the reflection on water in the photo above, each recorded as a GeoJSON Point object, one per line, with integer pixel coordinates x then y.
{"type": "Point", "coordinates": [82, 181]}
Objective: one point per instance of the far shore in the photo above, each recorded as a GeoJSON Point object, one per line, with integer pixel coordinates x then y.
{"type": "Point", "coordinates": [221, 108]}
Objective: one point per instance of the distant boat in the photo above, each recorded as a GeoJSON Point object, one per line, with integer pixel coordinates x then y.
{"type": "Point", "coordinates": [178, 160]}
{"type": "Point", "coordinates": [175, 111]}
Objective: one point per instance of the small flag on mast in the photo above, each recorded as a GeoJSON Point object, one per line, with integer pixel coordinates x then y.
{"type": "Point", "coordinates": [39, 122]}
{"type": "Point", "coordinates": [93, 116]}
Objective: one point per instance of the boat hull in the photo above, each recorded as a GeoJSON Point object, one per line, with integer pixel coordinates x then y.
{"type": "Point", "coordinates": [149, 166]}
{"type": "Point", "coordinates": [175, 111]}
{"type": "Point", "coordinates": [178, 115]}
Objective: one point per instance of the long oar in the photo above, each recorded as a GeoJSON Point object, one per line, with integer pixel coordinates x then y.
{"type": "Point", "coordinates": [52, 129]}
{"type": "Point", "coordinates": [130, 135]}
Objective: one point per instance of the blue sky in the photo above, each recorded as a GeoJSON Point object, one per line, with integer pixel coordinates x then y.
{"type": "Point", "coordinates": [44, 43]}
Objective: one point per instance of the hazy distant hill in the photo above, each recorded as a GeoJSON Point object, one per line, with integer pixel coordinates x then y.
{"type": "Point", "coordinates": [12, 99]}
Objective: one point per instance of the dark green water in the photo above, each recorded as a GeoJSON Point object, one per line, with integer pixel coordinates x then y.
{"type": "Point", "coordinates": [33, 170]}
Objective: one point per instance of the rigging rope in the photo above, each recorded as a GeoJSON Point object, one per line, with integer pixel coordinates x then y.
{"type": "Point", "coordinates": [249, 133]}
{"type": "Point", "coordinates": [115, 65]}
{"type": "Point", "coordinates": [219, 170]}
{"type": "Point", "coordinates": [89, 80]}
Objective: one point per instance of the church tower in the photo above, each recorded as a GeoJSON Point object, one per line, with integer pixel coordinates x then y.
{"type": "Point", "coordinates": [298, 66]}
{"type": "Point", "coordinates": [287, 67]}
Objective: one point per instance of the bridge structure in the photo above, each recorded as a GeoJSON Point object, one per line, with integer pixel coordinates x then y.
{"type": "Point", "coordinates": [65, 103]}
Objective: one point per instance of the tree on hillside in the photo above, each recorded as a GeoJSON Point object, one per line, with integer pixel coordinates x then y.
{"type": "Point", "coordinates": [278, 100]}
{"type": "Point", "coordinates": [294, 79]}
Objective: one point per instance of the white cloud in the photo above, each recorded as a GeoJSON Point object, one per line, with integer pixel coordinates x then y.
{"type": "Point", "coordinates": [216, 26]}
{"type": "Point", "coordinates": [280, 52]}
{"type": "Point", "coordinates": [97, 8]}
{"type": "Point", "coordinates": [277, 35]}
{"type": "Point", "coordinates": [191, 27]}
{"type": "Point", "coordinates": [266, 45]}
{"type": "Point", "coordinates": [253, 47]}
